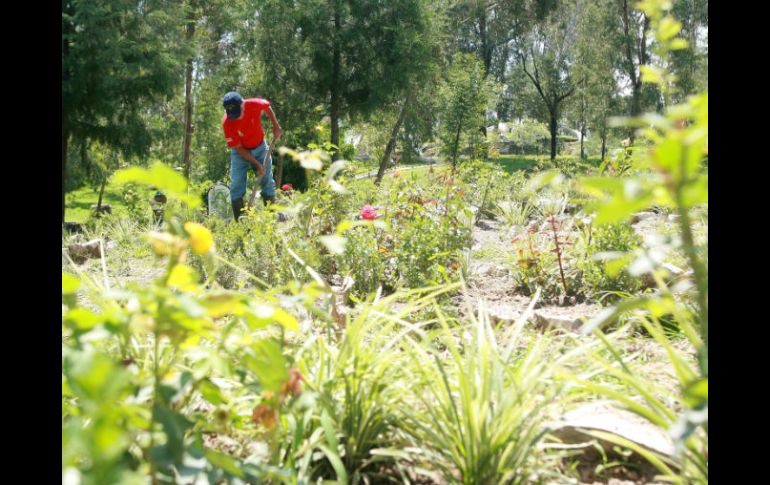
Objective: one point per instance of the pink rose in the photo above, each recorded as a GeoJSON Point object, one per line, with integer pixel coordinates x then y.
{"type": "Point", "coordinates": [286, 187]}
{"type": "Point", "coordinates": [369, 213]}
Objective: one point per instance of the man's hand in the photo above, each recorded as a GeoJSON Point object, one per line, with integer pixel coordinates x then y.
{"type": "Point", "coordinates": [260, 169]}
{"type": "Point", "coordinates": [277, 132]}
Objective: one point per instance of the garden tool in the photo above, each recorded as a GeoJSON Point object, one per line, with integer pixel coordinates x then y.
{"type": "Point", "coordinates": [256, 185]}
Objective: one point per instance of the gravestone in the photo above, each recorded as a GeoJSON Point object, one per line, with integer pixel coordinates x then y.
{"type": "Point", "coordinates": [219, 202]}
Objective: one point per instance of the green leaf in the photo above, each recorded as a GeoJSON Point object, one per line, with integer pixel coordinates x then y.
{"type": "Point", "coordinates": [81, 319]}
{"type": "Point", "coordinates": [183, 278]}
{"type": "Point", "coordinates": [678, 44]}
{"type": "Point", "coordinates": [69, 283]}
{"type": "Point", "coordinates": [286, 319]}
{"type": "Point", "coordinates": [211, 392]}
{"type": "Point", "coordinates": [328, 427]}
{"type": "Point", "coordinates": [266, 361]}
{"type": "Point", "coordinates": [175, 426]}
{"type": "Point", "coordinates": [697, 392]}
{"type": "Point", "coordinates": [336, 462]}
{"type": "Point", "coordinates": [161, 177]}
{"type": "Point", "coordinates": [225, 462]}
{"type": "Point", "coordinates": [221, 304]}
{"type": "Point", "coordinates": [668, 28]}
{"type": "Point", "coordinates": [651, 74]}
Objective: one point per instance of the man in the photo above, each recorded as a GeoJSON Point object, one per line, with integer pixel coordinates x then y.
{"type": "Point", "coordinates": [243, 131]}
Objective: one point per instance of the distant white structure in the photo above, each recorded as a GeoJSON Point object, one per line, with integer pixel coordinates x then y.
{"type": "Point", "coordinates": [353, 139]}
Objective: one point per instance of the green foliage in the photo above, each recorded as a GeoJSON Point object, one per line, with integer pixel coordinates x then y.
{"type": "Point", "coordinates": [675, 176]}
{"type": "Point", "coordinates": [604, 249]}
{"type": "Point", "coordinates": [481, 402]}
{"type": "Point", "coordinates": [134, 202]}
{"type": "Point", "coordinates": [529, 136]}
{"type": "Point", "coordinates": [464, 97]}
{"type": "Point", "coordinates": [114, 60]}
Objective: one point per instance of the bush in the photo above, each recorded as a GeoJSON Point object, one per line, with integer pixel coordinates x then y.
{"type": "Point", "coordinates": [599, 277]}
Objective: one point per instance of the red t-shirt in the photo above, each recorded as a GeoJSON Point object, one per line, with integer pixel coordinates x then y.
{"type": "Point", "coordinates": [247, 130]}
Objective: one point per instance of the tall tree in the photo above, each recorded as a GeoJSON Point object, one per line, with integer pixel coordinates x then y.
{"type": "Point", "coordinates": [598, 90]}
{"type": "Point", "coordinates": [346, 56]}
{"type": "Point", "coordinates": [545, 54]}
{"type": "Point", "coordinates": [191, 20]}
{"type": "Point", "coordinates": [116, 56]}
{"type": "Point", "coordinates": [464, 96]}
{"type": "Point", "coordinates": [691, 64]}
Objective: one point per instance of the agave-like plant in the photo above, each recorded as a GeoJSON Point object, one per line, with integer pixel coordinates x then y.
{"type": "Point", "coordinates": [482, 403]}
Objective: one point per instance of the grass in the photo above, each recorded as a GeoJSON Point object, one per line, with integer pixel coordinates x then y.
{"type": "Point", "coordinates": [78, 202]}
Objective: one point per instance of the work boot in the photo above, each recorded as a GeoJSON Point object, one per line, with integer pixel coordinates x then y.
{"type": "Point", "coordinates": [237, 208]}
{"type": "Point", "coordinates": [268, 198]}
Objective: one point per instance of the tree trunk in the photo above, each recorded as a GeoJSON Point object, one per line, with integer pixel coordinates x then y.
{"type": "Point", "coordinates": [392, 141]}
{"type": "Point", "coordinates": [456, 147]}
{"type": "Point", "coordinates": [553, 125]}
{"type": "Point", "coordinates": [604, 145]}
{"type": "Point", "coordinates": [335, 95]}
{"type": "Point", "coordinates": [64, 139]}
{"type": "Point", "coordinates": [188, 128]}
{"type": "Point", "coordinates": [101, 194]}
{"type": "Point", "coordinates": [486, 51]}
{"type": "Point", "coordinates": [582, 137]}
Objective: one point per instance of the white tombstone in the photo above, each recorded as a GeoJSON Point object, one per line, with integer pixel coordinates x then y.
{"type": "Point", "coordinates": [219, 202]}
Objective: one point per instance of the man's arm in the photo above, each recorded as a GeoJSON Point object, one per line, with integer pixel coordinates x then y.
{"type": "Point", "coordinates": [274, 121]}
{"type": "Point", "coordinates": [246, 154]}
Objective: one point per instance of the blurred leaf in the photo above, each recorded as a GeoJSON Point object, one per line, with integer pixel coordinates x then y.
{"type": "Point", "coordinates": [81, 319]}
{"type": "Point", "coordinates": [69, 283]}
{"type": "Point", "coordinates": [335, 168]}
{"type": "Point", "coordinates": [651, 74]}
{"type": "Point", "coordinates": [211, 392]}
{"type": "Point", "coordinates": [161, 177]}
{"type": "Point", "coordinates": [335, 244]}
{"type": "Point", "coordinates": [266, 361]}
{"type": "Point", "coordinates": [337, 187]}
{"type": "Point", "coordinates": [678, 44]}
{"type": "Point", "coordinates": [225, 462]}
{"type": "Point", "coordinates": [668, 28]}
{"type": "Point", "coordinates": [175, 426]}
{"type": "Point", "coordinates": [222, 304]}
{"type": "Point", "coordinates": [183, 278]}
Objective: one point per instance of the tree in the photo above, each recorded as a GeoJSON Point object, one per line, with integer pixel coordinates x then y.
{"type": "Point", "coordinates": [597, 92]}
{"type": "Point", "coordinates": [691, 64]}
{"type": "Point", "coordinates": [349, 57]}
{"type": "Point", "coordinates": [116, 56]}
{"type": "Point", "coordinates": [546, 57]}
{"type": "Point", "coordinates": [464, 96]}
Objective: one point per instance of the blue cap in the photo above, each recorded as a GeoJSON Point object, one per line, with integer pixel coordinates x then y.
{"type": "Point", "coordinates": [232, 103]}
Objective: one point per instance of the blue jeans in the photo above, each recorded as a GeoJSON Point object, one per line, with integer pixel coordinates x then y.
{"type": "Point", "coordinates": [239, 167]}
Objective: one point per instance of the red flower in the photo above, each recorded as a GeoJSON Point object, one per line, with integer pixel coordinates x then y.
{"type": "Point", "coordinates": [264, 415]}
{"type": "Point", "coordinates": [293, 385]}
{"type": "Point", "coordinates": [368, 212]}
{"type": "Point", "coordinates": [286, 187]}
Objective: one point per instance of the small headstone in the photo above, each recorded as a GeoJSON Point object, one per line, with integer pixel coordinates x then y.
{"type": "Point", "coordinates": [104, 209]}
{"type": "Point", "coordinates": [219, 202]}
{"type": "Point", "coordinates": [81, 252]}
{"type": "Point", "coordinates": [543, 320]}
